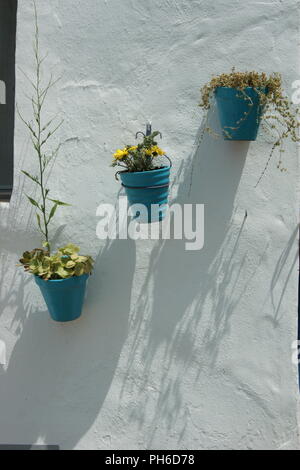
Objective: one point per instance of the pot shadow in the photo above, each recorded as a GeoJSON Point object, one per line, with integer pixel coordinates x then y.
{"type": "Point", "coordinates": [14, 297]}
{"type": "Point", "coordinates": [181, 284]}
{"type": "Point", "coordinates": [59, 374]}
{"type": "Point", "coordinates": [16, 236]}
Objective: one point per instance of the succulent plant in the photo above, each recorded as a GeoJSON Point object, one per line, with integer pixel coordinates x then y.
{"type": "Point", "coordinates": [65, 263]}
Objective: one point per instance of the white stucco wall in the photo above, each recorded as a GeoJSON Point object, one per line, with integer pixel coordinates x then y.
{"type": "Point", "coordinates": [175, 349]}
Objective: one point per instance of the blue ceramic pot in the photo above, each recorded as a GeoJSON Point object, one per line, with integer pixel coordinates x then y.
{"type": "Point", "coordinates": [64, 297]}
{"type": "Point", "coordinates": [150, 188]}
{"type": "Point", "coordinates": [239, 115]}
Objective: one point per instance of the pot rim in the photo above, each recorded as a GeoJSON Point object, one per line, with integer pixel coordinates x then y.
{"type": "Point", "coordinates": [234, 88]}
{"type": "Point", "coordinates": [38, 278]}
{"type": "Point", "coordinates": [157, 170]}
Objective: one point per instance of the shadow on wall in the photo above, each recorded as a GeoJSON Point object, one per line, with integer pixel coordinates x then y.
{"type": "Point", "coordinates": [58, 376]}
{"type": "Point", "coordinates": [181, 283]}
{"type": "Point", "coordinates": [281, 265]}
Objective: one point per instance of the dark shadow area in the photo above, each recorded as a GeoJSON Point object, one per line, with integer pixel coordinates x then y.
{"type": "Point", "coordinates": [13, 285]}
{"type": "Point", "coordinates": [27, 447]}
{"type": "Point", "coordinates": [8, 22]}
{"type": "Point", "coordinates": [59, 374]}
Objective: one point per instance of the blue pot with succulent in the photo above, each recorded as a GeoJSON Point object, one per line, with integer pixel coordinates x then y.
{"type": "Point", "coordinates": [62, 278]}
{"type": "Point", "coordinates": [61, 275]}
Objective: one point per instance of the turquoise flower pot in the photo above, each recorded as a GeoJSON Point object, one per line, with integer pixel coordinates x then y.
{"type": "Point", "coordinates": [150, 188]}
{"type": "Point", "coordinates": [64, 297]}
{"type": "Point", "coordinates": [239, 115]}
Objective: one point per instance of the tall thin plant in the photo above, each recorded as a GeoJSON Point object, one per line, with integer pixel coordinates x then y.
{"type": "Point", "coordinates": [41, 132]}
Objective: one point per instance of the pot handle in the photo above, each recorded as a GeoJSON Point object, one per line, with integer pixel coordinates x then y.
{"type": "Point", "coordinates": [168, 158]}
{"type": "Point", "coordinates": [117, 174]}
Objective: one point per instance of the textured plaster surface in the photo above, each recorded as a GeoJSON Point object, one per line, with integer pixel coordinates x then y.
{"type": "Point", "coordinates": [175, 349]}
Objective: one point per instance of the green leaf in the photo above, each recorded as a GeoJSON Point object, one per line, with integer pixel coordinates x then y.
{"type": "Point", "coordinates": [62, 272]}
{"type": "Point", "coordinates": [59, 203]}
{"type": "Point", "coordinates": [53, 210]}
{"type": "Point", "coordinates": [39, 222]}
{"type": "Point", "coordinates": [79, 269]}
{"type": "Point", "coordinates": [70, 264]}
{"type": "Point", "coordinates": [26, 258]}
{"type": "Point", "coordinates": [33, 178]}
{"type": "Point", "coordinates": [69, 249]}
{"type": "Point", "coordinates": [33, 202]}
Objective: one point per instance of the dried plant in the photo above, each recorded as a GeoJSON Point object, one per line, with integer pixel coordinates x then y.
{"type": "Point", "coordinates": [41, 133]}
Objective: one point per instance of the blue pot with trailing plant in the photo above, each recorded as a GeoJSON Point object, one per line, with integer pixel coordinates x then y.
{"type": "Point", "coordinates": [243, 100]}
{"type": "Point", "coordinates": [240, 112]}
{"type": "Point", "coordinates": [62, 279]}
{"type": "Point", "coordinates": [145, 182]}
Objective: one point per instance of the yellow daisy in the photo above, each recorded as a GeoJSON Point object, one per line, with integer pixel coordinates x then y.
{"type": "Point", "coordinates": [158, 150]}
{"type": "Point", "coordinates": [120, 154]}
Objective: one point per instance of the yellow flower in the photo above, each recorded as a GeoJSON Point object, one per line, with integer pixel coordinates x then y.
{"type": "Point", "coordinates": [134, 147]}
{"type": "Point", "coordinates": [157, 150]}
{"type": "Point", "coordinates": [148, 151]}
{"type": "Point", "coordinates": [120, 154]}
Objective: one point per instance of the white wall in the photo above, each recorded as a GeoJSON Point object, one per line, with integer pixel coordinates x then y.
{"type": "Point", "coordinates": [175, 349]}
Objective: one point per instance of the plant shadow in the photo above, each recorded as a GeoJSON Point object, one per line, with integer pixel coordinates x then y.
{"type": "Point", "coordinates": [181, 285]}
{"type": "Point", "coordinates": [59, 374]}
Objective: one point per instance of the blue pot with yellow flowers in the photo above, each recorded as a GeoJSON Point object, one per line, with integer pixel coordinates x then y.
{"type": "Point", "coordinates": [146, 181]}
